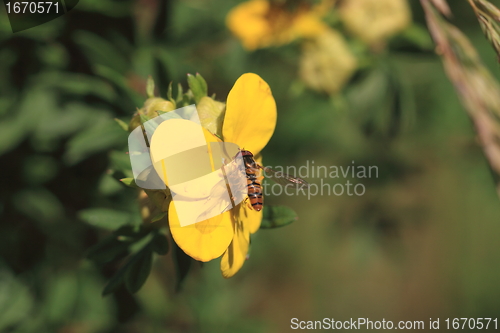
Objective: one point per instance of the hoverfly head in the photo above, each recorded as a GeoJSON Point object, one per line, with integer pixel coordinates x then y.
{"type": "Point", "coordinates": [246, 153]}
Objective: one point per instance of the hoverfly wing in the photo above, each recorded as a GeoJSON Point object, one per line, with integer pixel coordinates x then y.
{"type": "Point", "coordinates": [284, 179]}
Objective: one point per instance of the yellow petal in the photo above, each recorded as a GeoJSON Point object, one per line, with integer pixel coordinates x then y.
{"type": "Point", "coordinates": [308, 25]}
{"type": "Point", "coordinates": [247, 21]}
{"type": "Point", "coordinates": [250, 113]}
{"type": "Point", "coordinates": [234, 258]}
{"type": "Point", "coordinates": [251, 218]}
{"type": "Point", "coordinates": [204, 240]}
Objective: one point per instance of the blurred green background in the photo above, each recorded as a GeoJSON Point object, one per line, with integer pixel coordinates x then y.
{"type": "Point", "coordinates": [421, 243]}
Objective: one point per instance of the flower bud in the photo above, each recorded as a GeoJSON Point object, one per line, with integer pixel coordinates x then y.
{"type": "Point", "coordinates": [327, 63]}
{"type": "Point", "coordinates": [150, 108]}
{"type": "Point", "coordinates": [211, 114]}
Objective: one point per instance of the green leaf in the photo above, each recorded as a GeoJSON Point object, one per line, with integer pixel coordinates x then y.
{"type": "Point", "coordinates": [120, 160]}
{"type": "Point", "coordinates": [39, 169]}
{"type": "Point", "coordinates": [418, 36]}
{"type": "Point", "coordinates": [114, 283]}
{"type": "Point", "coordinates": [101, 136]}
{"type": "Point", "coordinates": [179, 93]}
{"type": "Point", "coordinates": [159, 244]}
{"type": "Point", "coordinates": [39, 204]}
{"type": "Point", "coordinates": [186, 99]}
{"type": "Point", "coordinates": [16, 301]}
{"type": "Point", "coordinates": [61, 296]}
{"type": "Point", "coordinates": [143, 61]}
{"type": "Point", "coordinates": [75, 117]}
{"type": "Point", "coordinates": [203, 83]}
{"type": "Point", "coordinates": [277, 216]}
{"type": "Point", "coordinates": [41, 103]}
{"type": "Point", "coordinates": [99, 51]}
{"type": "Point", "coordinates": [122, 124]}
{"type": "Point", "coordinates": [130, 182]}
{"type": "Point", "coordinates": [105, 218]}
{"type": "Point", "coordinates": [108, 250]}
{"type": "Point", "coordinates": [150, 87]}
{"type": "Point", "coordinates": [138, 269]}
{"type": "Point", "coordinates": [79, 84]}
{"type": "Point", "coordinates": [12, 133]}
{"type": "Point", "coordinates": [198, 86]}
{"type": "Point", "coordinates": [132, 232]}
{"type": "Point", "coordinates": [108, 185]}
{"type": "Point", "coordinates": [134, 237]}
{"type": "Point", "coordinates": [169, 94]}
{"type": "Point", "coordinates": [120, 81]}
{"type": "Point", "coordinates": [158, 217]}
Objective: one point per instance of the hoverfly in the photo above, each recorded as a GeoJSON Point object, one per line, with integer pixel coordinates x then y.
{"type": "Point", "coordinates": [255, 188]}
{"type": "Point", "coordinates": [250, 170]}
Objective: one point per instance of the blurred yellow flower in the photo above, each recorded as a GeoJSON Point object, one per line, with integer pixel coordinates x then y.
{"type": "Point", "coordinates": [249, 121]}
{"type": "Point", "coordinates": [327, 63]}
{"type": "Point", "coordinates": [375, 20]}
{"type": "Point", "coordinates": [260, 23]}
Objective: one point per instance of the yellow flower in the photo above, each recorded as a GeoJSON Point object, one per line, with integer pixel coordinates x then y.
{"type": "Point", "coordinates": [375, 20]}
{"type": "Point", "coordinates": [260, 24]}
{"type": "Point", "coordinates": [249, 121]}
{"type": "Point", "coordinates": [327, 63]}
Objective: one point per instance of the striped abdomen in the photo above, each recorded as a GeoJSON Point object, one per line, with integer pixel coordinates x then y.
{"type": "Point", "coordinates": [254, 187]}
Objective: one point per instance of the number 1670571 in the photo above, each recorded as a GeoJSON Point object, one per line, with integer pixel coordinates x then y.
{"type": "Point", "coordinates": [27, 7]}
